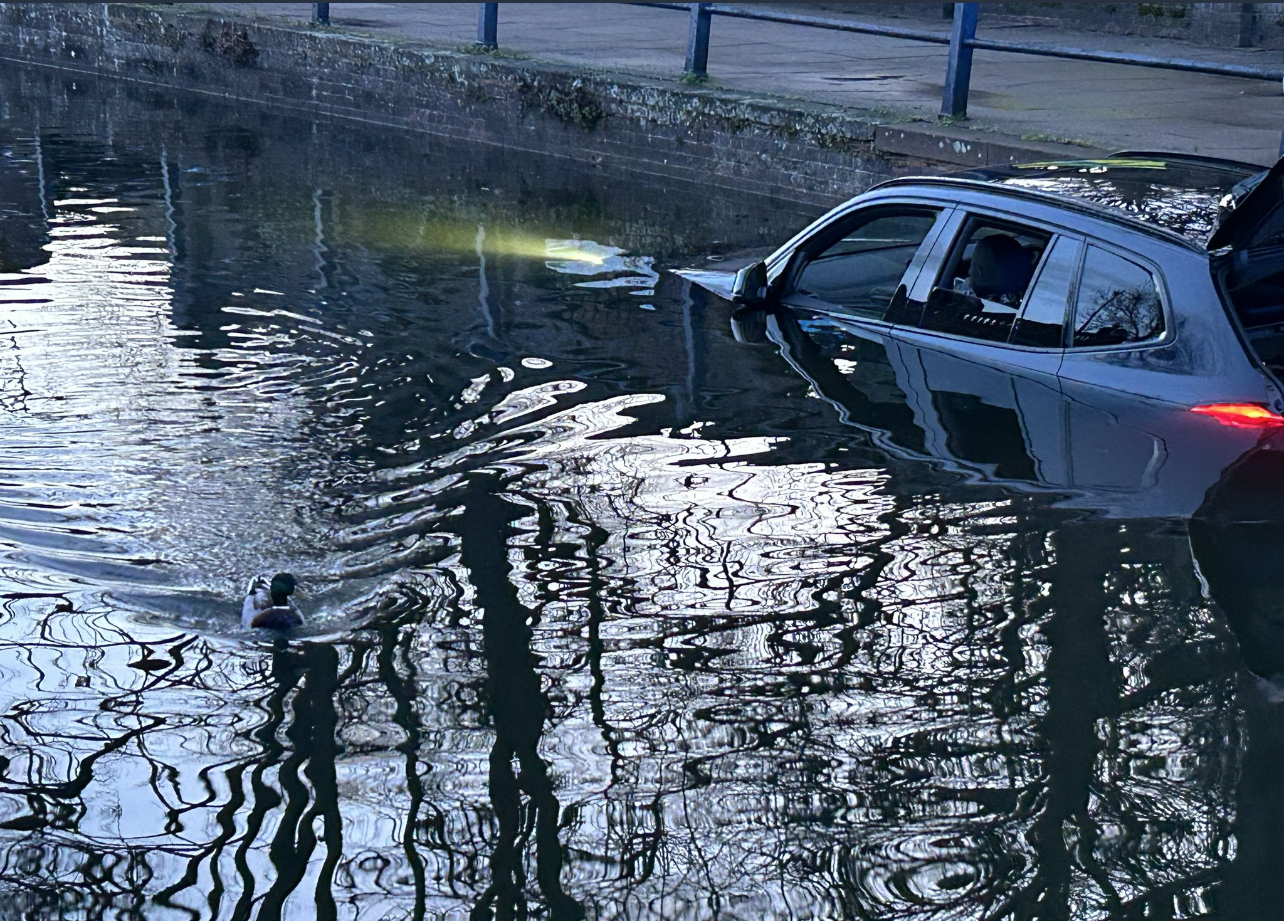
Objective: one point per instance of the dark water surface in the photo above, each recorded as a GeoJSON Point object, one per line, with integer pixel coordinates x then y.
{"type": "Point", "coordinates": [610, 615]}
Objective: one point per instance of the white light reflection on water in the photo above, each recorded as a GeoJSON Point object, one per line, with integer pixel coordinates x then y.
{"type": "Point", "coordinates": [585, 257]}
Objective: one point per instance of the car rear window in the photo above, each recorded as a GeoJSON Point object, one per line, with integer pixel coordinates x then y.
{"type": "Point", "coordinates": [1118, 302]}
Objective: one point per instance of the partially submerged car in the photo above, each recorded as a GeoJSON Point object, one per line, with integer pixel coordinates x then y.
{"type": "Point", "coordinates": [1159, 276]}
{"type": "Point", "coordinates": [1111, 330]}
{"type": "Point", "coordinates": [1106, 334]}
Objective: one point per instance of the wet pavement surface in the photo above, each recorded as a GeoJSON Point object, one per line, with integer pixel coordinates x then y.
{"type": "Point", "coordinates": [610, 614]}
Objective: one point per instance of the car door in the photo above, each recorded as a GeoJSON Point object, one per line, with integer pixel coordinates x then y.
{"type": "Point", "coordinates": [1119, 332]}
{"type": "Point", "coordinates": [982, 371]}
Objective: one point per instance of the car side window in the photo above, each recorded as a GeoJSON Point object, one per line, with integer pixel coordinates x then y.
{"type": "Point", "coordinates": [984, 280]}
{"type": "Point", "coordinates": [1118, 302]}
{"type": "Point", "coordinates": [860, 271]}
{"type": "Point", "coordinates": [1042, 320]}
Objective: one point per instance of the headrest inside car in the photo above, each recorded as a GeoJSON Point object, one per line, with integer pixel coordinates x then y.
{"type": "Point", "coordinates": [1000, 267]}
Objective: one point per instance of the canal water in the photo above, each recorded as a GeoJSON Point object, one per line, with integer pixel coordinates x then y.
{"type": "Point", "coordinates": [609, 613]}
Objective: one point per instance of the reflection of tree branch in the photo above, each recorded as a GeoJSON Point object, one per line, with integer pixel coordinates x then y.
{"type": "Point", "coordinates": [312, 736]}
{"type": "Point", "coordinates": [1124, 309]}
{"type": "Point", "coordinates": [265, 798]}
{"type": "Point", "coordinates": [84, 769]}
{"type": "Point", "coordinates": [403, 691]}
{"type": "Point", "coordinates": [18, 403]}
{"type": "Point", "coordinates": [1082, 687]}
{"type": "Point", "coordinates": [518, 708]}
{"type": "Point", "coordinates": [595, 539]}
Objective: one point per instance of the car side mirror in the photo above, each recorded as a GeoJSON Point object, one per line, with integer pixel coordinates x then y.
{"type": "Point", "coordinates": [749, 325]}
{"type": "Point", "coordinates": [750, 286]}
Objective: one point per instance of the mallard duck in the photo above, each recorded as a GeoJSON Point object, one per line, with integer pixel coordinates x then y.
{"type": "Point", "coordinates": [268, 605]}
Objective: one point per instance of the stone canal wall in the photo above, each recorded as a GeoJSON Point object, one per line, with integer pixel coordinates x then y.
{"type": "Point", "coordinates": [783, 148]}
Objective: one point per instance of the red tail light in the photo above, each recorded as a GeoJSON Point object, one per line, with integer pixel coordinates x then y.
{"type": "Point", "coordinates": [1240, 415]}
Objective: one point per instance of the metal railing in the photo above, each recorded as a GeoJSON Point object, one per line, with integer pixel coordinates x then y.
{"type": "Point", "coordinates": [962, 42]}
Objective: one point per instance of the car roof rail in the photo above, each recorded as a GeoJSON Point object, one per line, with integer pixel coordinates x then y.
{"type": "Point", "coordinates": [1069, 203]}
{"type": "Point", "coordinates": [1190, 158]}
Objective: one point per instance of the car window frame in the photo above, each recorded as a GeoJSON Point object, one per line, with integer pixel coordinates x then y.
{"type": "Point", "coordinates": [786, 268]}
{"type": "Point", "coordinates": [1166, 338]}
{"type": "Point", "coordinates": [960, 220]}
{"type": "Point", "coordinates": [968, 219]}
{"type": "Point", "coordinates": [1072, 292]}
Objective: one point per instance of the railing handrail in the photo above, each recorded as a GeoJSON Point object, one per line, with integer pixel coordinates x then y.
{"type": "Point", "coordinates": [961, 39]}
{"type": "Point", "coordinates": [1137, 60]}
{"type": "Point", "coordinates": [1045, 49]}
{"type": "Point", "coordinates": [820, 22]}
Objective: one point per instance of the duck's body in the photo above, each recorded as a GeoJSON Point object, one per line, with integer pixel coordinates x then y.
{"type": "Point", "coordinates": [267, 603]}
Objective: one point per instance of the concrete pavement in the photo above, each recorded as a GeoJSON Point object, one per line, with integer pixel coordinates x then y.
{"type": "Point", "coordinates": [1020, 96]}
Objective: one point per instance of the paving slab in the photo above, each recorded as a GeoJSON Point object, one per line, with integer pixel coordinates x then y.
{"type": "Point", "coordinates": [1022, 96]}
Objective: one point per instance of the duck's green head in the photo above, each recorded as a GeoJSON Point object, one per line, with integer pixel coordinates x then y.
{"type": "Point", "coordinates": [282, 587]}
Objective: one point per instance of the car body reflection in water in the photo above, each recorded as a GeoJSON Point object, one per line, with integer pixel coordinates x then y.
{"type": "Point", "coordinates": [1117, 455]}
{"type": "Point", "coordinates": [1120, 458]}
{"type": "Point", "coordinates": [611, 615]}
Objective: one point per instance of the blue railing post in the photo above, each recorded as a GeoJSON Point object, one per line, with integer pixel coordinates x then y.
{"type": "Point", "coordinates": [321, 13]}
{"type": "Point", "coordinates": [698, 40]}
{"type": "Point", "coordinates": [488, 25]}
{"type": "Point", "coordinates": [958, 73]}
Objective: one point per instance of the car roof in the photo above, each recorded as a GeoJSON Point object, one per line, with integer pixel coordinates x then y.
{"type": "Point", "coordinates": [1175, 192]}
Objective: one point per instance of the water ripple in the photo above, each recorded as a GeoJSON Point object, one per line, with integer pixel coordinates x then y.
{"type": "Point", "coordinates": [606, 616]}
